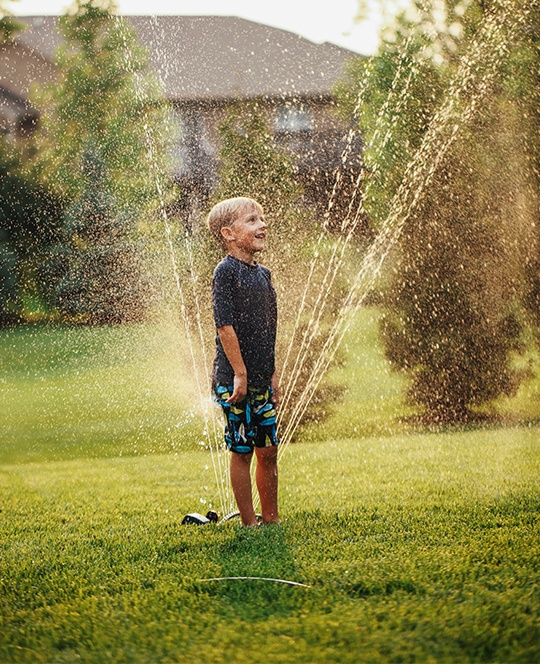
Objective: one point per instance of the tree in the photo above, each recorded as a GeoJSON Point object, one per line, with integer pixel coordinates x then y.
{"type": "Point", "coordinates": [10, 305]}
{"type": "Point", "coordinates": [99, 270]}
{"type": "Point", "coordinates": [28, 215]}
{"type": "Point", "coordinates": [251, 165]}
{"type": "Point", "coordinates": [102, 146]}
{"type": "Point", "coordinates": [524, 83]}
{"type": "Point", "coordinates": [453, 317]}
{"type": "Point", "coordinates": [30, 218]}
{"type": "Point", "coordinates": [9, 25]}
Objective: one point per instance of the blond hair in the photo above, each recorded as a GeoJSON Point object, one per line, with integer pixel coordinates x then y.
{"type": "Point", "coordinates": [224, 214]}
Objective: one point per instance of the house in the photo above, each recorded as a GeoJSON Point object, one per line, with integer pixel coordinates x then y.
{"type": "Point", "coordinates": [207, 63]}
{"type": "Point", "coordinates": [20, 66]}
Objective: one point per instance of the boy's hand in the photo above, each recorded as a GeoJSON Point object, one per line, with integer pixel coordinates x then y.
{"type": "Point", "coordinates": [240, 389]}
{"type": "Point", "coordinates": [274, 384]}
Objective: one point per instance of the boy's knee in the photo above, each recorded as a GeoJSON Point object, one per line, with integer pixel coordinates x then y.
{"type": "Point", "coordinates": [242, 457]}
{"type": "Point", "coordinates": [267, 455]}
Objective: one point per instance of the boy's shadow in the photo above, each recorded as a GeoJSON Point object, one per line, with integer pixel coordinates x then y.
{"type": "Point", "coordinates": [257, 552]}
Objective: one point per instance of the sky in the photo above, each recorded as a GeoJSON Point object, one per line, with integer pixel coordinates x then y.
{"type": "Point", "coordinates": [324, 20]}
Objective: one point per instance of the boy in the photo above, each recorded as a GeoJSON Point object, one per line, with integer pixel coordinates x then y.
{"type": "Point", "coordinates": [244, 376]}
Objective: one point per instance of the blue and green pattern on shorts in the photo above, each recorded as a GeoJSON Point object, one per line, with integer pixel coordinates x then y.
{"type": "Point", "coordinates": [251, 422]}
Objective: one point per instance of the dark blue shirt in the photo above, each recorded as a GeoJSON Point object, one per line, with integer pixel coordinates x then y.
{"type": "Point", "coordinates": [243, 296]}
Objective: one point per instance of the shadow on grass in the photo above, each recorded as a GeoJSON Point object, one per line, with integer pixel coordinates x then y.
{"type": "Point", "coordinates": [256, 552]}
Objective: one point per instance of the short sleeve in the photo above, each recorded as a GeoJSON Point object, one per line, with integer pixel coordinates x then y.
{"type": "Point", "coordinates": [223, 296]}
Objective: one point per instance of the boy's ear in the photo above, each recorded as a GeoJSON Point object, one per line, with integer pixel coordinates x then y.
{"type": "Point", "coordinates": [227, 233]}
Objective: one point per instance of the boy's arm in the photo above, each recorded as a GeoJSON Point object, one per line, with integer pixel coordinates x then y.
{"type": "Point", "coordinates": [230, 344]}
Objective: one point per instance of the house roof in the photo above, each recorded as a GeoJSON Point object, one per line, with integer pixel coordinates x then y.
{"type": "Point", "coordinates": [207, 58]}
{"type": "Point", "coordinates": [20, 66]}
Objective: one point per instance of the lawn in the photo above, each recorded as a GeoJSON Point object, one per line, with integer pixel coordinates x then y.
{"type": "Point", "coordinates": [70, 393]}
{"type": "Point", "coordinates": [416, 546]}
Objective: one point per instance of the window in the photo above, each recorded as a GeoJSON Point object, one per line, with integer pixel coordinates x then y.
{"type": "Point", "coordinates": [293, 118]}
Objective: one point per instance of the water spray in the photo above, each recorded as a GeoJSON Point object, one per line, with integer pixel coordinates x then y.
{"type": "Point", "coordinates": [476, 75]}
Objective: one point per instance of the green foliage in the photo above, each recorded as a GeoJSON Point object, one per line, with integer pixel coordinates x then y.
{"type": "Point", "coordinates": [523, 84]}
{"type": "Point", "coordinates": [9, 25]}
{"type": "Point", "coordinates": [457, 279]}
{"type": "Point", "coordinates": [30, 220]}
{"type": "Point", "coordinates": [104, 99]}
{"type": "Point", "coordinates": [454, 319]}
{"type": "Point", "coordinates": [99, 270]}
{"type": "Point", "coordinates": [103, 146]}
{"type": "Point", "coordinates": [29, 212]}
{"type": "Point", "coordinates": [251, 165]}
{"type": "Point", "coordinates": [10, 304]}
{"type": "Point", "coordinates": [10, 301]}
{"type": "Point", "coordinates": [29, 217]}
{"type": "Point", "coordinates": [401, 89]}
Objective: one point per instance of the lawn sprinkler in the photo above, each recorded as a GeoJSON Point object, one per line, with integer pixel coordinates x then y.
{"type": "Point", "coordinates": [194, 519]}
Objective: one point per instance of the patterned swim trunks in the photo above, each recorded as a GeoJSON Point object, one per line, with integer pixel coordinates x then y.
{"type": "Point", "coordinates": [251, 422]}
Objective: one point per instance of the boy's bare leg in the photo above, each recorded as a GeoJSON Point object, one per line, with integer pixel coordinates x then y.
{"type": "Point", "coordinates": [241, 486]}
{"type": "Point", "coordinates": [267, 482]}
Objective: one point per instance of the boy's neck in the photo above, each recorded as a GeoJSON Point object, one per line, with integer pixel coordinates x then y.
{"type": "Point", "coordinates": [242, 255]}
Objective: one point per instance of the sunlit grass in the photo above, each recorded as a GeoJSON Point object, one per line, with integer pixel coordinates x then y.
{"type": "Point", "coordinates": [95, 391]}
{"type": "Point", "coordinates": [374, 399]}
{"type": "Point", "coordinates": [416, 547]}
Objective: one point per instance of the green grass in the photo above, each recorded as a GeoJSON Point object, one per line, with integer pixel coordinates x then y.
{"type": "Point", "coordinates": [417, 546]}
{"type": "Point", "coordinates": [373, 402]}
{"type": "Point", "coordinates": [68, 393]}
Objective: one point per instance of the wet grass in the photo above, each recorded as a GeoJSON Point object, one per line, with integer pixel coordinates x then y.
{"type": "Point", "coordinates": [417, 546]}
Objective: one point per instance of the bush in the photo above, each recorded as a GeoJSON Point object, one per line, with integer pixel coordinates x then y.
{"type": "Point", "coordinates": [455, 286]}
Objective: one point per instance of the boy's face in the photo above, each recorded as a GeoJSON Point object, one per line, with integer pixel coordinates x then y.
{"type": "Point", "coordinates": [247, 233]}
